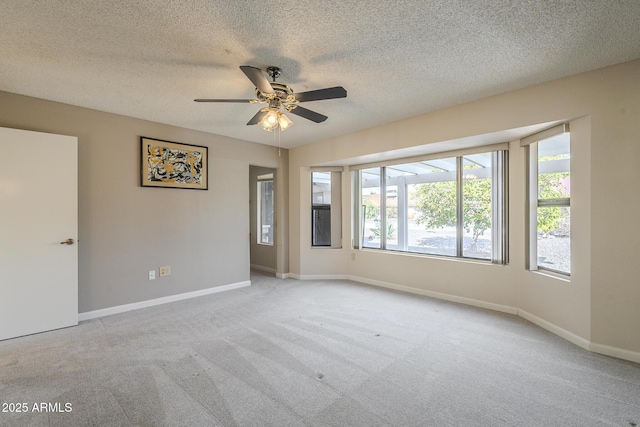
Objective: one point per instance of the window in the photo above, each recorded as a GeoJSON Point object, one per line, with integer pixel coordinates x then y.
{"type": "Point", "coordinates": [326, 208]}
{"type": "Point", "coordinates": [450, 206]}
{"type": "Point", "coordinates": [549, 200]}
{"type": "Point", "coordinates": [265, 209]}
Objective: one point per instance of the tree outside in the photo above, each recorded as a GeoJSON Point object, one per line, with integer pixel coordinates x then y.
{"type": "Point", "coordinates": [436, 205]}
{"type": "Point", "coordinates": [551, 186]}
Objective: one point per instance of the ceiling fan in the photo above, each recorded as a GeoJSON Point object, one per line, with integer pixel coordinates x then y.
{"type": "Point", "coordinates": [280, 96]}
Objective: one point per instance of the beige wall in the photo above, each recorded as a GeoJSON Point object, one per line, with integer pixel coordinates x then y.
{"type": "Point", "coordinates": [125, 230]}
{"type": "Point", "coordinates": [598, 307]}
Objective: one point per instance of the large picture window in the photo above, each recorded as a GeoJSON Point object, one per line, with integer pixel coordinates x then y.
{"type": "Point", "coordinates": [450, 206]}
{"type": "Point", "coordinates": [549, 200]}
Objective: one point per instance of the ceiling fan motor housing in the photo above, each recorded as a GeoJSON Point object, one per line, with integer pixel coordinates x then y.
{"type": "Point", "coordinates": [281, 92]}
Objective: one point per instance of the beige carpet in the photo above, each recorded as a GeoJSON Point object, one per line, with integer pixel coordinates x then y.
{"type": "Point", "coordinates": [311, 353]}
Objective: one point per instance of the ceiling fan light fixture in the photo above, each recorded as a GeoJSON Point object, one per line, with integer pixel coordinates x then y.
{"type": "Point", "coordinates": [274, 119]}
{"type": "Point", "coordinates": [270, 120]}
{"type": "Point", "coordinates": [284, 121]}
{"type": "Point", "coordinates": [265, 127]}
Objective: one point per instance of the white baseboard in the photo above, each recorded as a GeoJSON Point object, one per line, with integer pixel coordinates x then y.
{"type": "Point", "coordinates": [263, 268]}
{"type": "Point", "coordinates": [615, 352]}
{"type": "Point", "coordinates": [563, 333]}
{"type": "Point", "coordinates": [581, 342]}
{"type": "Point", "coordinates": [158, 301]}
{"type": "Point", "coordinates": [438, 295]}
{"type": "Point", "coordinates": [319, 276]}
{"type": "Point", "coordinates": [283, 275]}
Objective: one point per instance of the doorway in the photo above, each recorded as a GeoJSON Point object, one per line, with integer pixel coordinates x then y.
{"type": "Point", "coordinates": [262, 219]}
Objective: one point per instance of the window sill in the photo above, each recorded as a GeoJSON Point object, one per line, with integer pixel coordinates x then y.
{"type": "Point", "coordinates": [430, 256]}
{"type": "Point", "coordinates": [552, 275]}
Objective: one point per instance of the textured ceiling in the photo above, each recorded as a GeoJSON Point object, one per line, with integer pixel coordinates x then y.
{"type": "Point", "coordinates": [150, 58]}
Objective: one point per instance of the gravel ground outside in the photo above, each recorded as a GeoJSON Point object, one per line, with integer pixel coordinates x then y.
{"type": "Point", "coordinates": [554, 252]}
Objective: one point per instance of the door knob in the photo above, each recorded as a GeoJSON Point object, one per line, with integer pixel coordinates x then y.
{"type": "Point", "coordinates": [67, 242]}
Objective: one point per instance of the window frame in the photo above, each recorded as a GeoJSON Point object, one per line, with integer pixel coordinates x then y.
{"type": "Point", "coordinates": [334, 206]}
{"type": "Point", "coordinates": [533, 201]}
{"type": "Point", "coordinates": [262, 179]}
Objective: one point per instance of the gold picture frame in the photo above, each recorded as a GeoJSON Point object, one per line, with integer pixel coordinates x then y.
{"type": "Point", "coordinates": [173, 164]}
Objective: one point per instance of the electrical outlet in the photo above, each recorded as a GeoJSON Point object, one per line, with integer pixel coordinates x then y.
{"type": "Point", "coordinates": [165, 270]}
{"type": "Point", "coordinates": [152, 275]}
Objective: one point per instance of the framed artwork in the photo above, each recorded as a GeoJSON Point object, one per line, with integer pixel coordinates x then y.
{"type": "Point", "coordinates": [173, 165]}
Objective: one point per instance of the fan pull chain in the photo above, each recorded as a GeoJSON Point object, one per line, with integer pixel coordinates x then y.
{"type": "Point", "coordinates": [277, 130]}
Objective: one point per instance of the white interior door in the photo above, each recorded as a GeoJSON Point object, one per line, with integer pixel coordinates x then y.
{"type": "Point", "coordinates": [38, 211]}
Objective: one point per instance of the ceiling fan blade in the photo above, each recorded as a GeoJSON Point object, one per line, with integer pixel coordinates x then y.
{"type": "Point", "coordinates": [316, 95]}
{"type": "Point", "coordinates": [223, 100]}
{"type": "Point", "coordinates": [256, 119]}
{"type": "Point", "coordinates": [308, 114]}
{"type": "Point", "coordinates": [257, 78]}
